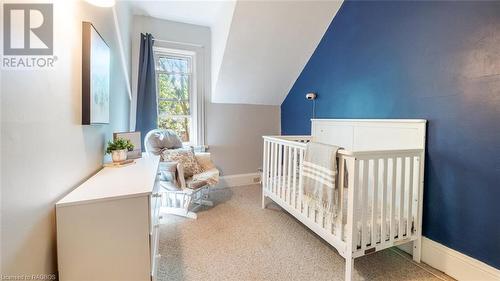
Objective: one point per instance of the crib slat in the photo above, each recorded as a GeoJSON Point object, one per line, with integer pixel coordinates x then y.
{"type": "Point", "coordinates": [284, 170]}
{"type": "Point", "coordinates": [294, 180]}
{"type": "Point", "coordinates": [383, 214]}
{"type": "Point", "coordinates": [410, 197]}
{"type": "Point", "coordinates": [352, 203]}
{"type": "Point", "coordinates": [269, 165]}
{"type": "Point", "coordinates": [364, 204]}
{"type": "Point", "coordinates": [279, 176]}
{"type": "Point", "coordinates": [269, 154]}
{"type": "Point", "coordinates": [419, 198]}
{"type": "Point", "coordinates": [340, 198]}
{"type": "Point", "coordinates": [286, 184]}
{"type": "Point", "coordinates": [271, 157]}
{"type": "Point", "coordinates": [274, 170]}
{"type": "Point", "coordinates": [301, 190]}
{"type": "Point", "coordinates": [285, 174]}
{"type": "Point", "coordinates": [374, 203]}
{"type": "Point", "coordinates": [264, 166]}
{"type": "Point", "coordinates": [401, 198]}
{"type": "Point", "coordinates": [289, 173]}
{"type": "Point", "coordinates": [392, 227]}
{"type": "Point", "coordinates": [280, 171]}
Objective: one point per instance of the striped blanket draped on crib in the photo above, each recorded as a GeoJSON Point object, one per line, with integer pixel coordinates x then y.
{"type": "Point", "coordinates": [319, 170]}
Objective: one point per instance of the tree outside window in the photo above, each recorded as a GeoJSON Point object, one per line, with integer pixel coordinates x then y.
{"type": "Point", "coordinates": [174, 76]}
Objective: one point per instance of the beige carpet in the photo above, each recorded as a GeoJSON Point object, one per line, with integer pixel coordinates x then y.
{"type": "Point", "coordinates": [237, 240]}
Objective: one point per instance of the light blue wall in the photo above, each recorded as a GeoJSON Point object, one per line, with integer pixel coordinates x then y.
{"type": "Point", "coordinates": [434, 60]}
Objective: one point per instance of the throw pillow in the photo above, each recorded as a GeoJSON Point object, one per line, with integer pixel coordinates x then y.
{"type": "Point", "coordinates": [186, 158]}
{"type": "Point", "coordinates": [163, 139]}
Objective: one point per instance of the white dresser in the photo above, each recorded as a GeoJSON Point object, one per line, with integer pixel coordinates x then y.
{"type": "Point", "coordinates": [107, 228]}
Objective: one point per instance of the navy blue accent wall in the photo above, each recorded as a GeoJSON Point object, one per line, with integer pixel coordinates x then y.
{"type": "Point", "coordinates": [434, 60]}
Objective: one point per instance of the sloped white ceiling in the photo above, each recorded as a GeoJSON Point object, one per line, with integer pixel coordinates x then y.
{"type": "Point", "coordinates": [268, 45]}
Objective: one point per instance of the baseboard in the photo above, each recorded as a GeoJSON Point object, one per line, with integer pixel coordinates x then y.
{"type": "Point", "coordinates": [453, 263]}
{"type": "Point", "coordinates": [238, 180]}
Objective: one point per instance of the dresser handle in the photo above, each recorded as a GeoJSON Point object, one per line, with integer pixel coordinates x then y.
{"type": "Point", "coordinates": [160, 217]}
{"type": "Point", "coordinates": [157, 195]}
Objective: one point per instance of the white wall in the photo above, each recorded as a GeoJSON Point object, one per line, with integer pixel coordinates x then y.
{"type": "Point", "coordinates": [234, 134]}
{"type": "Point", "coordinates": [45, 151]}
{"type": "Point", "coordinates": [233, 131]}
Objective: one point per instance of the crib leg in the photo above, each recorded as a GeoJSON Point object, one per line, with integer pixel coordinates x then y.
{"type": "Point", "coordinates": [417, 249]}
{"type": "Point", "coordinates": [349, 268]}
{"type": "Point", "coordinates": [263, 200]}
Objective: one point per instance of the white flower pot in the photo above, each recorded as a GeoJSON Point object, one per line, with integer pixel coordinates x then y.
{"type": "Point", "coordinates": [119, 155]}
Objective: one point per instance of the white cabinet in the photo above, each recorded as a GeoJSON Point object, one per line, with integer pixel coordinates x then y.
{"type": "Point", "coordinates": [107, 228]}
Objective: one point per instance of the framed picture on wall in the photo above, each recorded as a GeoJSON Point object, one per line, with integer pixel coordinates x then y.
{"type": "Point", "coordinates": [95, 76]}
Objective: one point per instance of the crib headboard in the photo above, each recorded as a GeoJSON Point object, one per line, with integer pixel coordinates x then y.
{"type": "Point", "coordinates": [370, 134]}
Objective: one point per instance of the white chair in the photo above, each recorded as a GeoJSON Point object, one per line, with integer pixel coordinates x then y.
{"type": "Point", "coordinates": [180, 195]}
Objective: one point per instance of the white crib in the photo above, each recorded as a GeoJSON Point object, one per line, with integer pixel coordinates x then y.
{"type": "Point", "coordinates": [379, 188]}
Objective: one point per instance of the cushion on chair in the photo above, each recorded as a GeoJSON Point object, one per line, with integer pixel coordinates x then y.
{"type": "Point", "coordinates": [204, 160]}
{"type": "Point", "coordinates": [211, 176]}
{"type": "Point", "coordinates": [186, 159]}
{"type": "Point", "coordinates": [161, 139]}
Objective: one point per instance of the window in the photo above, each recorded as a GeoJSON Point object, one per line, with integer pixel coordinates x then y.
{"type": "Point", "coordinates": [175, 91]}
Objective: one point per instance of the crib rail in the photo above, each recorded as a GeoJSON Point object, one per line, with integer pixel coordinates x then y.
{"type": "Point", "coordinates": [377, 196]}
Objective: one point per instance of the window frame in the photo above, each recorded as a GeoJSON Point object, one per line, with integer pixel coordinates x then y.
{"type": "Point", "coordinates": [160, 52]}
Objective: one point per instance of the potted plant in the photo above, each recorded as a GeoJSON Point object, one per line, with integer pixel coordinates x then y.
{"type": "Point", "coordinates": [119, 148]}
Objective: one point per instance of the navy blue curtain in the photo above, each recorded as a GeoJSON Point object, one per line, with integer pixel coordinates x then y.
{"type": "Point", "coordinates": [147, 112]}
